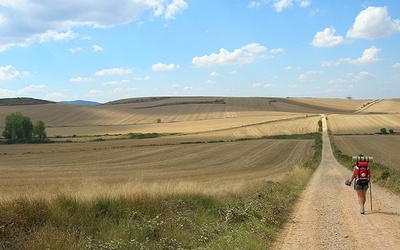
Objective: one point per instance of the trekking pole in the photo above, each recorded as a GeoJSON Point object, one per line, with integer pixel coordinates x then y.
{"type": "Point", "coordinates": [370, 194]}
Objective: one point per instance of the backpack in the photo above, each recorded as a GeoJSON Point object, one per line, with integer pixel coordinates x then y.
{"type": "Point", "coordinates": [362, 173]}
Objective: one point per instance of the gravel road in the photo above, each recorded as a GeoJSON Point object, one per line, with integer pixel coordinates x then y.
{"type": "Point", "coordinates": [327, 215]}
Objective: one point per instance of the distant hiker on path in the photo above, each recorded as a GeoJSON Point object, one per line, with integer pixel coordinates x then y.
{"type": "Point", "coordinates": [361, 175]}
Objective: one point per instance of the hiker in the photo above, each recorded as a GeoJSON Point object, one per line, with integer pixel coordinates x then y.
{"type": "Point", "coordinates": [361, 175]}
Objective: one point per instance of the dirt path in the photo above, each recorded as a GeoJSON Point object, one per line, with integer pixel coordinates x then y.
{"type": "Point", "coordinates": [327, 215]}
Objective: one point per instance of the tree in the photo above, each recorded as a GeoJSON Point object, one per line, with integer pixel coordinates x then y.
{"type": "Point", "coordinates": [39, 130]}
{"type": "Point", "coordinates": [18, 127]}
{"type": "Point", "coordinates": [383, 131]}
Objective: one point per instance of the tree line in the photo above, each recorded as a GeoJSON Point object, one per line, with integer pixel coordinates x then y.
{"type": "Point", "coordinates": [19, 128]}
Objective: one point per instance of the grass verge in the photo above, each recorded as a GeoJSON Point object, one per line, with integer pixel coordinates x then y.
{"type": "Point", "coordinates": [381, 174]}
{"type": "Point", "coordinates": [247, 220]}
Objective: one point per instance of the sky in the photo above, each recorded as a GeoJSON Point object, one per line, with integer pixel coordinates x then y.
{"type": "Point", "coordinates": [105, 50]}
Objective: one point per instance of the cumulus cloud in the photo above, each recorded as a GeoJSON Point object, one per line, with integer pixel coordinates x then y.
{"type": "Point", "coordinates": [113, 72]}
{"type": "Point", "coordinates": [8, 72]}
{"type": "Point", "coordinates": [164, 67]}
{"type": "Point", "coordinates": [372, 23]}
{"type": "Point", "coordinates": [27, 21]}
{"type": "Point", "coordinates": [396, 65]}
{"type": "Point", "coordinates": [370, 55]}
{"type": "Point", "coordinates": [245, 55]}
{"type": "Point", "coordinates": [327, 38]}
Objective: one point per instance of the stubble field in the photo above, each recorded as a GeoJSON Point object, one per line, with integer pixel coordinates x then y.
{"type": "Point", "coordinates": [201, 148]}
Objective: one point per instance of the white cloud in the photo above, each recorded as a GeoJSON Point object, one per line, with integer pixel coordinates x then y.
{"type": "Point", "coordinates": [164, 67]}
{"type": "Point", "coordinates": [56, 96]}
{"type": "Point", "coordinates": [245, 55]}
{"type": "Point", "coordinates": [8, 72]}
{"type": "Point", "coordinates": [305, 3]}
{"type": "Point", "coordinates": [27, 91]}
{"type": "Point", "coordinates": [396, 65]}
{"type": "Point", "coordinates": [259, 85]}
{"type": "Point", "coordinates": [31, 89]}
{"type": "Point", "coordinates": [370, 55]}
{"type": "Point", "coordinates": [276, 51]}
{"type": "Point", "coordinates": [25, 22]}
{"type": "Point", "coordinates": [210, 82]}
{"type": "Point", "coordinates": [352, 78]}
{"type": "Point", "coordinates": [214, 74]}
{"type": "Point", "coordinates": [146, 78]}
{"type": "Point", "coordinates": [255, 4]}
{"type": "Point", "coordinates": [326, 38]}
{"type": "Point", "coordinates": [373, 22]}
{"type": "Point", "coordinates": [93, 92]}
{"type": "Point", "coordinates": [116, 82]}
{"type": "Point", "coordinates": [97, 48]}
{"type": "Point", "coordinates": [73, 51]}
{"type": "Point", "coordinates": [308, 76]}
{"type": "Point", "coordinates": [113, 71]}
{"type": "Point", "coordinates": [282, 4]}
{"type": "Point", "coordinates": [174, 8]}
{"type": "Point", "coordinates": [55, 35]}
{"type": "Point", "coordinates": [189, 88]}
{"type": "Point", "coordinates": [278, 5]}
{"type": "Point", "coordinates": [80, 79]}
{"type": "Point", "coordinates": [288, 68]}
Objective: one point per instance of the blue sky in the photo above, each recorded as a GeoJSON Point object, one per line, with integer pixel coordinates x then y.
{"type": "Point", "coordinates": [104, 50]}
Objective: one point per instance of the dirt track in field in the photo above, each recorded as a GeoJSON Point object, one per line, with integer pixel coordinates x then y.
{"type": "Point", "coordinates": [327, 215]}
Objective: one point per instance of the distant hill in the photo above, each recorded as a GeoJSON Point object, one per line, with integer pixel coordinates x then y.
{"type": "Point", "coordinates": [22, 101]}
{"type": "Point", "coordinates": [81, 102]}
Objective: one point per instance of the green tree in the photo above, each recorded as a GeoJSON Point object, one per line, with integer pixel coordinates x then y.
{"type": "Point", "coordinates": [18, 127]}
{"type": "Point", "coordinates": [39, 130]}
{"type": "Point", "coordinates": [383, 131]}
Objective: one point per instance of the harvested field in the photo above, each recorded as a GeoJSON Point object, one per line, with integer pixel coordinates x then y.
{"type": "Point", "coordinates": [191, 126]}
{"type": "Point", "coordinates": [184, 160]}
{"type": "Point", "coordinates": [172, 110]}
{"type": "Point", "coordinates": [384, 106]}
{"type": "Point", "coordinates": [121, 167]}
{"type": "Point", "coordinates": [384, 148]}
{"type": "Point", "coordinates": [363, 123]}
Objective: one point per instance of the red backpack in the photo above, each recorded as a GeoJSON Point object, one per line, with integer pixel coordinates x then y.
{"type": "Point", "coordinates": [362, 176]}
